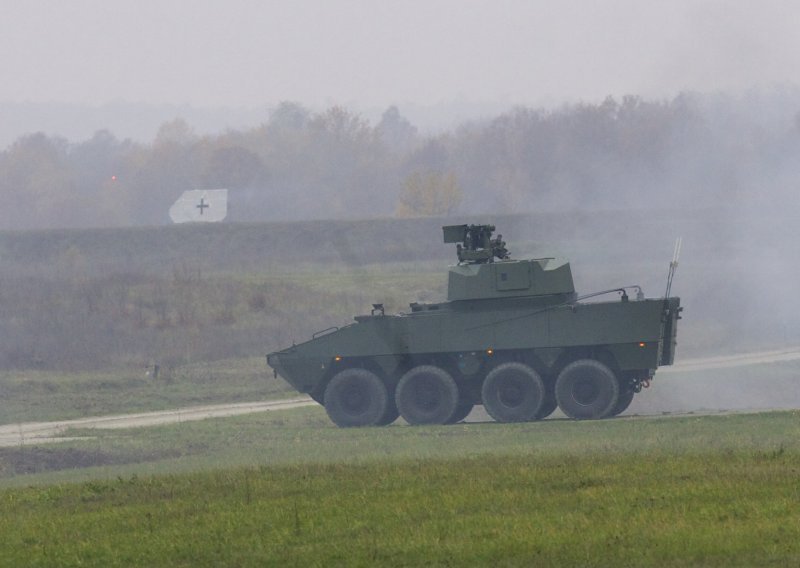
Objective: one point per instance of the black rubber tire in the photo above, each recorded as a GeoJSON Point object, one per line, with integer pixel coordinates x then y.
{"type": "Point", "coordinates": [587, 389]}
{"type": "Point", "coordinates": [462, 411]}
{"type": "Point", "coordinates": [549, 405]}
{"type": "Point", "coordinates": [427, 395]}
{"type": "Point", "coordinates": [513, 392]}
{"type": "Point", "coordinates": [623, 402]}
{"type": "Point", "coordinates": [356, 397]}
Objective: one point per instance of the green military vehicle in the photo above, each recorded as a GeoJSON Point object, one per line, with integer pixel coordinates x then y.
{"type": "Point", "coordinates": [513, 336]}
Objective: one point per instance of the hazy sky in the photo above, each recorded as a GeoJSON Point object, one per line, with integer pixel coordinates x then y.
{"type": "Point", "coordinates": [379, 52]}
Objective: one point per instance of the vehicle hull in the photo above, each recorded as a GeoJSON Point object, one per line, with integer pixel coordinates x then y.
{"type": "Point", "coordinates": [636, 336]}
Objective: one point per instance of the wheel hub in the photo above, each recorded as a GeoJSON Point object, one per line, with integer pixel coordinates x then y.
{"type": "Point", "coordinates": [426, 395]}
{"type": "Point", "coordinates": [511, 393]}
{"type": "Point", "coordinates": [354, 400]}
{"type": "Point", "coordinates": [585, 392]}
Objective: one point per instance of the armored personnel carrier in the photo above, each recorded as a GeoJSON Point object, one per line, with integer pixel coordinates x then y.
{"type": "Point", "coordinates": [513, 336]}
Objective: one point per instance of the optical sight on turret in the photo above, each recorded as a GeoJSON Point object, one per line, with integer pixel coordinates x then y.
{"type": "Point", "coordinates": [475, 243]}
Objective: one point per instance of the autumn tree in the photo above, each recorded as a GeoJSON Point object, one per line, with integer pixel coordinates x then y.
{"type": "Point", "coordinates": [345, 160]}
{"type": "Point", "coordinates": [429, 193]}
{"type": "Point", "coordinates": [164, 171]}
{"type": "Point", "coordinates": [231, 167]}
{"type": "Point", "coordinates": [36, 183]}
{"type": "Point", "coordinates": [395, 131]}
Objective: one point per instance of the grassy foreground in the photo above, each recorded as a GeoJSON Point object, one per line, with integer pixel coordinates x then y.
{"type": "Point", "coordinates": [720, 509]}
{"type": "Point", "coordinates": [285, 489]}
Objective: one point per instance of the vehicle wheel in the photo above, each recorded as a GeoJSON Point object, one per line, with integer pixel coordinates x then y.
{"type": "Point", "coordinates": [462, 411]}
{"type": "Point", "coordinates": [548, 406]}
{"type": "Point", "coordinates": [356, 397]}
{"type": "Point", "coordinates": [623, 402]}
{"type": "Point", "coordinates": [587, 389]}
{"type": "Point", "coordinates": [427, 395]}
{"type": "Point", "coordinates": [513, 392]}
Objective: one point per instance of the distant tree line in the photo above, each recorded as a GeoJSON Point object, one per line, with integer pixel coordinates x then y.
{"type": "Point", "coordinates": [630, 153]}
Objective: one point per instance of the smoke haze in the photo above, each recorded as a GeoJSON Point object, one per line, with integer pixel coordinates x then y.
{"type": "Point", "coordinates": [370, 54]}
{"type": "Point", "coordinates": [618, 126]}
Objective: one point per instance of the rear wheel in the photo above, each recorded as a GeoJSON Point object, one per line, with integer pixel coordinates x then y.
{"type": "Point", "coordinates": [587, 389]}
{"type": "Point", "coordinates": [623, 402]}
{"type": "Point", "coordinates": [427, 395]}
{"type": "Point", "coordinates": [513, 392]}
{"type": "Point", "coordinates": [356, 397]}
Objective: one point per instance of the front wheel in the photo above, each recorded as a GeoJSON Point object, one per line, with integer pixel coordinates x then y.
{"type": "Point", "coordinates": [513, 392]}
{"type": "Point", "coordinates": [356, 397]}
{"type": "Point", "coordinates": [587, 389]}
{"type": "Point", "coordinates": [427, 395]}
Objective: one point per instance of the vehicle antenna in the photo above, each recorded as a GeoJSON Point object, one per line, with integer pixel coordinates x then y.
{"type": "Point", "coordinates": [672, 266]}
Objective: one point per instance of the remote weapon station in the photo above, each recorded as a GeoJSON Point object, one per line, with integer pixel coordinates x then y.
{"type": "Point", "coordinates": [513, 336]}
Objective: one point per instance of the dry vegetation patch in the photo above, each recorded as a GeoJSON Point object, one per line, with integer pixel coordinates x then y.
{"type": "Point", "coordinates": [30, 460]}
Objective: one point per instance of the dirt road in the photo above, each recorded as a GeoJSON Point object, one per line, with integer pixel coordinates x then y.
{"type": "Point", "coordinates": [729, 361]}
{"type": "Point", "coordinates": [671, 394]}
{"type": "Point", "coordinates": [43, 432]}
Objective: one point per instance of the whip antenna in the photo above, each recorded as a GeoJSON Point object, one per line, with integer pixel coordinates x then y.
{"type": "Point", "coordinates": [673, 265]}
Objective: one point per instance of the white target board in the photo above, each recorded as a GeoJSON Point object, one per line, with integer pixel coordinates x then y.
{"type": "Point", "coordinates": [200, 206]}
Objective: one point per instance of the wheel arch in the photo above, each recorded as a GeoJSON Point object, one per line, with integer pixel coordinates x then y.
{"type": "Point", "coordinates": [366, 363]}
{"type": "Point", "coordinates": [600, 353]}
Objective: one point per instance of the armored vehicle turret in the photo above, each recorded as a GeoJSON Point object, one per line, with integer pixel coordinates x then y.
{"type": "Point", "coordinates": [512, 336]}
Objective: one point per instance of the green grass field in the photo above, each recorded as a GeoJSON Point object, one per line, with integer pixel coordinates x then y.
{"type": "Point", "coordinates": [286, 488]}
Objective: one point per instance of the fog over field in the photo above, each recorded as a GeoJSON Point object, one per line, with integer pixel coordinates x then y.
{"type": "Point", "coordinates": [597, 131]}
{"type": "Point", "coordinates": [142, 424]}
{"type": "Point", "coordinates": [318, 109]}
{"type": "Point", "coordinates": [126, 66]}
